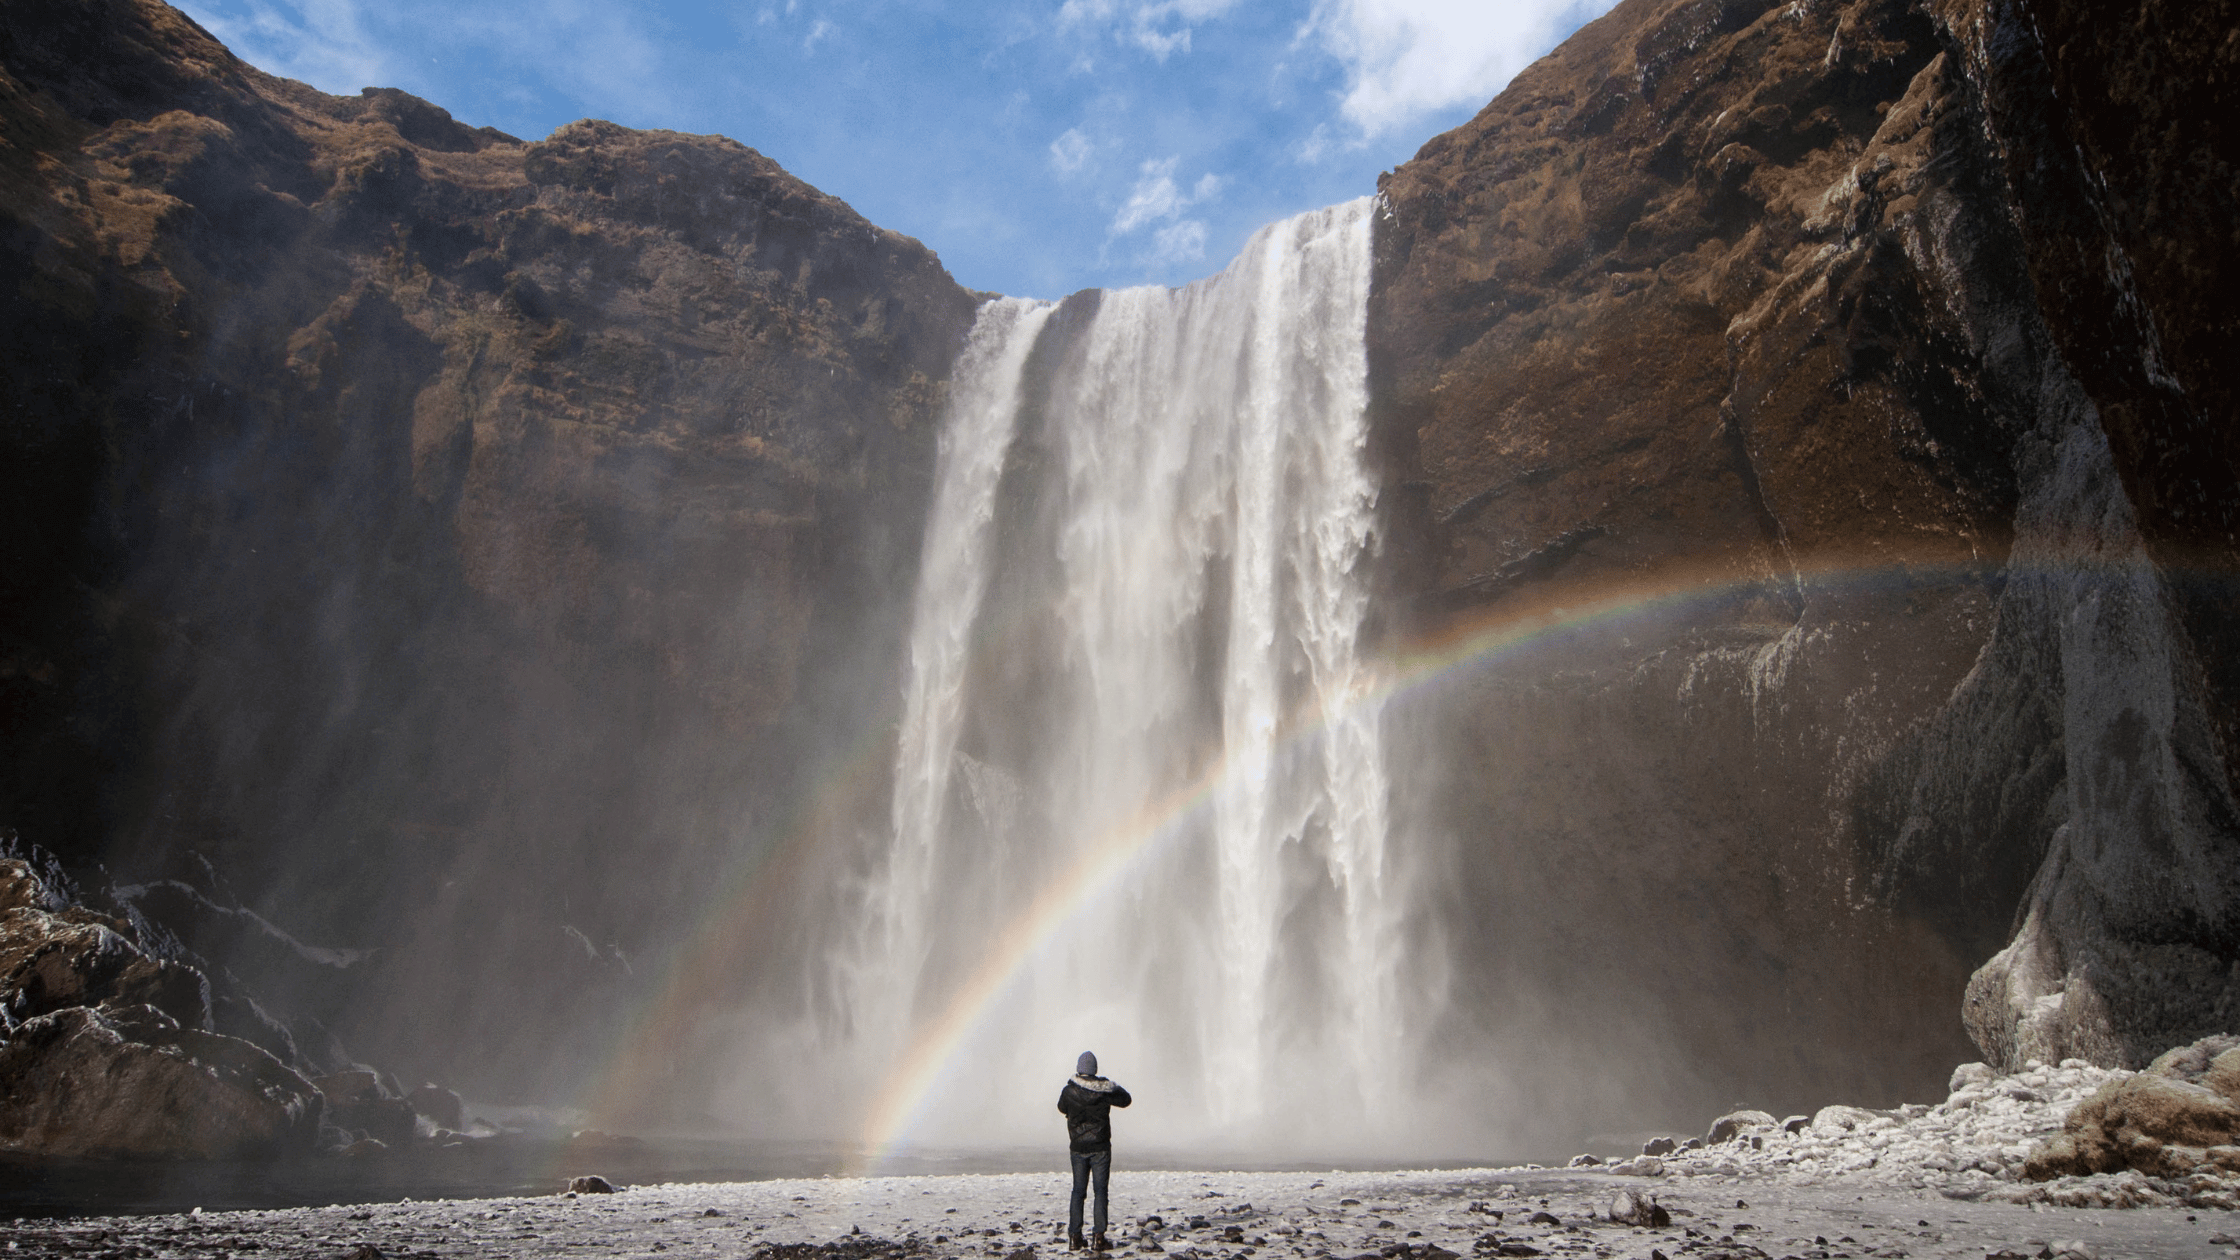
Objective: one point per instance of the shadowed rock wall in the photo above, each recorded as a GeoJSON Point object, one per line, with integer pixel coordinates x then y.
{"type": "Point", "coordinates": [465, 544]}
{"type": "Point", "coordinates": [1841, 539]}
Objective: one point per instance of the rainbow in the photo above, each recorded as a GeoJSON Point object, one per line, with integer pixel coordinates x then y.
{"type": "Point", "coordinates": [1436, 659]}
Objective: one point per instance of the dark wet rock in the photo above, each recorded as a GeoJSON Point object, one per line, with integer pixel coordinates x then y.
{"type": "Point", "coordinates": [438, 1105]}
{"type": "Point", "coordinates": [1584, 1161]}
{"type": "Point", "coordinates": [237, 1015]}
{"type": "Point", "coordinates": [55, 955]}
{"type": "Point", "coordinates": [74, 1085]}
{"type": "Point", "coordinates": [590, 1185]}
{"type": "Point", "coordinates": [360, 1102]}
{"type": "Point", "coordinates": [1659, 1146]}
{"type": "Point", "coordinates": [1796, 1124]}
{"type": "Point", "coordinates": [21, 887]}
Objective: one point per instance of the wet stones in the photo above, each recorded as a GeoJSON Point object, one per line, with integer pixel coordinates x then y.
{"type": "Point", "coordinates": [1627, 1208]}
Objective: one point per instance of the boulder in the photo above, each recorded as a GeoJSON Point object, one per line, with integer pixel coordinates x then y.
{"type": "Point", "coordinates": [1659, 1146]}
{"type": "Point", "coordinates": [358, 1102]}
{"type": "Point", "coordinates": [2162, 1122]}
{"type": "Point", "coordinates": [1971, 1075]}
{"type": "Point", "coordinates": [1736, 1123]}
{"type": "Point", "coordinates": [439, 1106]}
{"type": "Point", "coordinates": [1628, 1208]}
{"type": "Point", "coordinates": [1840, 1117]}
{"type": "Point", "coordinates": [134, 1084]}
{"type": "Point", "coordinates": [590, 1185]}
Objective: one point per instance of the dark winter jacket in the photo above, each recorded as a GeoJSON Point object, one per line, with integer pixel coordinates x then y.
{"type": "Point", "coordinates": [1087, 1102]}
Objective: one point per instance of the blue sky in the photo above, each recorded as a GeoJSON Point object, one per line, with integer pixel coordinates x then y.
{"type": "Point", "coordinates": [1039, 146]}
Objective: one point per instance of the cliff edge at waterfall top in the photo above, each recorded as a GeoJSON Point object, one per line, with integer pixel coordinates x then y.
{"type": "Point", "coordinates": [1041, 147]}
{"type": "Point", "coordinates": [1651, 631]}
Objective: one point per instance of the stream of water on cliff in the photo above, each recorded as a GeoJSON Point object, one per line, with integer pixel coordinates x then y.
{"type": "Point", "coordinates": [1140, 804]}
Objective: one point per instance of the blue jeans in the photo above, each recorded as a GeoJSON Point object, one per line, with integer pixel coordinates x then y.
{"type": "Point", "coordinates": [1089, 1165]}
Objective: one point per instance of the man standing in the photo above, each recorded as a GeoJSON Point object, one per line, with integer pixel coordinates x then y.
{"type": "Point", "coordinates": [1087, 1102]}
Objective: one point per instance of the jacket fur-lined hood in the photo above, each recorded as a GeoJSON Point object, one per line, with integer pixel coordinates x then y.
{"type": "Point", "coordinates": [1101, 1084]}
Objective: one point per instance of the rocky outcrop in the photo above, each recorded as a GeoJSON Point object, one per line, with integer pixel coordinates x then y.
{"type": "Point", "coordinates": [132, 1083]}
{"type": "Point", "coordinates": [407, 518]}
{"type": "Point", "coordinates": [1771, 423]}
{"type": "Point", "coordinates": [54, 956]}
{"type": "Point", "coordinates": [105, 1050]}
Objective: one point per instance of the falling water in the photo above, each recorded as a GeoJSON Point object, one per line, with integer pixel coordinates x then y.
{"type": "Point", "coordinates": [1138, 633]}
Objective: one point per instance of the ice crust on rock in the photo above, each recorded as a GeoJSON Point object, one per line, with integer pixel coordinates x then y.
{"type": "Point", "coordinates": [1975, 1145]}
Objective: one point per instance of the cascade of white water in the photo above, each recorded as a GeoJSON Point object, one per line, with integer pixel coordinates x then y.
{"type": "Point", "coordinates": [1145, 583]}
{"type": "Point", "coordinates": [953, 575]}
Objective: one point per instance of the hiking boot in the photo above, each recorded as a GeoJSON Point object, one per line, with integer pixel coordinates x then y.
{"type": "Point", "coordinates": [1102, 1244]}
{"type": "Point", "coordinates": [1074, 1243]}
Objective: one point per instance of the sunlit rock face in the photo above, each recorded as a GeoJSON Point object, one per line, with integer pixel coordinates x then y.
{"type": "Point", "coordinates": [1788, 355]}
{"type": "Point", "coordinates": [462, 542]}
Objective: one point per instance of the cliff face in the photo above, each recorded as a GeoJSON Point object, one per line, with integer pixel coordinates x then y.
{"type": "Point", "coordinates": [460, 541]}
{"type": "Point", "coordinates": [1840, 378]}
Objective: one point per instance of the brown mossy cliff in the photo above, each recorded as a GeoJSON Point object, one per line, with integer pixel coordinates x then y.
{"type": "Point", "coordinates": [1810, 415]}
{"type": "Point", "coordinates": [425, 524]}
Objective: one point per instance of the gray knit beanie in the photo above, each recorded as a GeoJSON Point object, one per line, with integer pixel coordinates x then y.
{"type": "Point", "coordinates": [1086, 1065]}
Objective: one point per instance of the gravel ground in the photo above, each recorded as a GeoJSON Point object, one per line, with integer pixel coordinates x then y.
{"type": "Point", "coordinates": [1231, 1216]}
{"type": "Point", "coordinates": [1919, 1181]}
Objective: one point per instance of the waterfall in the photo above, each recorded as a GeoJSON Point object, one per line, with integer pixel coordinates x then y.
{"type": "Point", "coordinates": [1140, 800]}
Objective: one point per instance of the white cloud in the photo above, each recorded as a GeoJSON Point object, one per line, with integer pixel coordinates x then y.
{"type": "Point", "coordinates": [1156, 197]}
{"type": "Point", "coordinates": [818, 31]}
{"type": "Point", "coordinates": [1160, 27]}
{"type": "Point", "coordinates": [1070, 152]}
{"type": "Point", "coordinates": [1183, 242]}
{"type": "Point", "coordinates": [1407, 58]}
